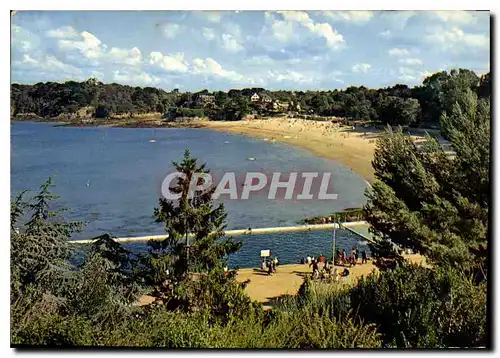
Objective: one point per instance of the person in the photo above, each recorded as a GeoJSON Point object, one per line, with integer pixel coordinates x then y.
{"type": "Point", "coordinates": [275, 263]}
{"type": "Point", "coordinates": [343, 257]}
{"type": "Point", "coordinates": [315, 272]}
{"type": "Point", "coordinates": [363, 257]}
{"type": "Point", "coordinates": [337, 257]}
{"type": "Point", "coordinates": [269, 268]}
{"type": "Point", "coordinates": [321, 258]}
{"type": "Point", "coordinates": [353, 256]}
{"type": "Point", "coordinates": [263, 265]}
{"type": "Point", "coordinates": [302, 261]}
{"type": "Point", "coordinates": [327, 266]}
{"type": "Point", "coordinates": [308, 260]}
{"type": "Point", "coordinates": [356, 255]}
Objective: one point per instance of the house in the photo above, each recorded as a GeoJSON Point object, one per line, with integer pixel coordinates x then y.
{"type": "Point", "coordinates": [255, 98]}
{"type": "Point", "coordinates": [280, 106]}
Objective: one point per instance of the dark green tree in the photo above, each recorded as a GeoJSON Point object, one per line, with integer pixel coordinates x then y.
{"type": "Point", "coordinates": [431, 202]}
{"type": "Point", "coordinates": [196, 242]}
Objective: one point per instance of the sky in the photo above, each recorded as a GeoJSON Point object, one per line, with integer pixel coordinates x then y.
{"type": "Point", "coordinates": [220, 50]}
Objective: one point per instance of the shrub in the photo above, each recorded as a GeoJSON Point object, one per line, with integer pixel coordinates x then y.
{"type": "Point", "coordinates": [420, 307]}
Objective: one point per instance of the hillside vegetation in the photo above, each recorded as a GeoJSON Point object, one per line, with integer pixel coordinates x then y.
{"type": "Point", "coordinates": [397, 105]}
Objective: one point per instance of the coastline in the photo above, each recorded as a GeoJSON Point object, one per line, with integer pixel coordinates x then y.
{"type": "Point", "coordinates": [353, 148]}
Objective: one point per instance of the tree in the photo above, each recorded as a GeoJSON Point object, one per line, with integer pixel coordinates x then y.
{"type": "Point", "coordinates": [195, 229]}
{"type": "Point", "coordinates": [40, 271]}
{"type": "Point", "coordinates": [431, 203]}
{"type": "Point", "coordinates": [398, 111]}
{"type": "Point", "coordinates": [484, 89]}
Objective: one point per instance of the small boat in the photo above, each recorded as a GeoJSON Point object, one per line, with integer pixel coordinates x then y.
{"type": "Point", "coordinates": [226, 142]}
{"type": "Point", "coordinates": [152, 141]}
{"type": "Point", "coordinates": [251, 158]}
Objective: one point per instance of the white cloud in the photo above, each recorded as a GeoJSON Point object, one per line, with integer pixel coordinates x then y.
{"type": "Point", "coordinates": [361, 67]}
{"type": "Point", "coordinates": [22, 39]}
{"type": "Point", "coordinates": [230, 44]}
{"type": "Point", "coordinates": [171, 30]}
{"type": "Point", "coordinates": [210, 67]}
{"type": "Point", "coordinates": [457, 40]}
{"type": "Point", "coordinates": [208, 33]}
{"type": "Point", "coordinates": [324, 30]}
{"type": "Point", "coordinates": [131, 57]}
{"type": "Point", "coordinates": [407, 74]}
{"type": "Point", "coordinates": [29, 60]}
{"type": "Point", "coordinates": [89, 45]}
{"type": "Point", "coordinates": [398, 52]}
{"type": "Point", "coordinates": [172, 63]}
{"type": "Point", "coordinates": [411, 75]}
{"type": "Point", "coordinates": [55, 64]}
{"type": "Point", "coordinates": [456, 16]}
{"type": "Point", "coordinates": [356, 17]}
{"type": "Point", "coordinates": [141, 78]}
{"type": "Point", "coordinates": [233, 29]}
{"type": "Point", "coordinates": [282, 31]}
{"type": "Point", "coordinates": [292, 76]}
{"type": "Point", "coordinates": [93, 49]}
{"type": "Point", "coordinates": [387, 34]}
{"type": "Point", "coordinates": [47, 64]}
{"type": "Point", "coordinates": [410, 61]}
{"type": "Point", "coordinates": [62, 32]}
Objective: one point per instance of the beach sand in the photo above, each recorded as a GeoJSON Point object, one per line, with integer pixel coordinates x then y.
{"type": "Point", "coordinates": [288, 279]}
{"type": "Point", "coordinates": [352, 148]}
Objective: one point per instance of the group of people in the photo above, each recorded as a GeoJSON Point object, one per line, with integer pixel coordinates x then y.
{"type": "Point", "coordinates": [323, 272]}
{"type": "Point", "coordinates": [270, 265]}
{"type": "Point", "coordinates": [309, 260]}
{"type": "Point", "coordinates": [342, 259]}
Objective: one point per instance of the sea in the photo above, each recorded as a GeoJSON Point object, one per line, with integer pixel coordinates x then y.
{"type": "Point", "coordinates": [110, 178]}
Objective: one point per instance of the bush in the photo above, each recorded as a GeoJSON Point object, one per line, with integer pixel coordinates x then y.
{"type": "Point", "coordinates": [420, 307]}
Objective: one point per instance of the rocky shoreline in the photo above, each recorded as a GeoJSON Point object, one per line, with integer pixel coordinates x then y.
{"type": "Point", "coordinates": [347, 215]}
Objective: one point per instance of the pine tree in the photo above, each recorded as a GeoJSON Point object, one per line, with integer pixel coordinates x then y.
{"type": "Point", "coordinates": [428, 201]}
{"type": "Point", "coordinates": [196, 242]}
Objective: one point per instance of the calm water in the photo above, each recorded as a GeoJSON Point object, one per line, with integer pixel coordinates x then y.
{"type": "Point", "coordinates": [111, 178]}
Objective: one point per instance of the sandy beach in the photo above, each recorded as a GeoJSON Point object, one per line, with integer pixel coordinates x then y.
{"type": "Point", "coordinates": [288, 279]}
{"type": "Point", "coordinates": [353, 148]}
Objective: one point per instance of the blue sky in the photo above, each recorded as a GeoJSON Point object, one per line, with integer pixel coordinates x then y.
{"type": "Point", "coordinates": [193, 50]}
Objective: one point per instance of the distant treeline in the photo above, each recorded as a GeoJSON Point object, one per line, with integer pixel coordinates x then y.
{"type": "Point", "coordinates": [397, 105]}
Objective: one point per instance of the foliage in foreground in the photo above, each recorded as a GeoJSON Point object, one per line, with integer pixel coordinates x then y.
{"type": "Point", "coordinates": [433, 203]}
{"type": "Point", "coordinates": [92, 303]}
